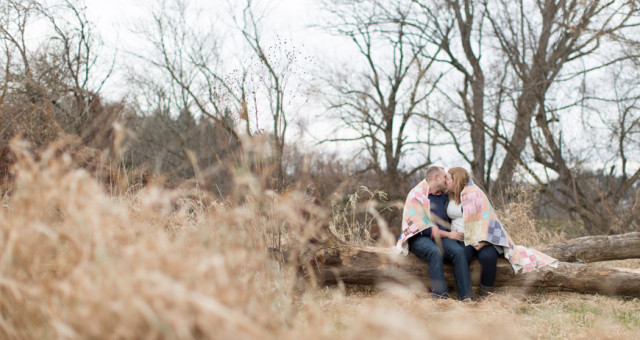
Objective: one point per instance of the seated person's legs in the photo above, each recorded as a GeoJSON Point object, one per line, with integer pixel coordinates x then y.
{"type": "Point", "coordinates": [455, 253]}
{"type": "Point", "coordinates": [424, 248]}
{"type": "Point", "coordinates": [488, 257]}
{"type": "Point", "coordinates": [469, 252]}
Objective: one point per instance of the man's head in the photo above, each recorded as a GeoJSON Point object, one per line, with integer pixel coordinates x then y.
{"type": "Point", "coordinates": [437, 178]}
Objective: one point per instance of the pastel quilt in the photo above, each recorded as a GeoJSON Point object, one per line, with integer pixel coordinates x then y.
{"type": "Point", "coordinates": [416, 215]}
{"type": "Point", "coordinates": [482, 224]}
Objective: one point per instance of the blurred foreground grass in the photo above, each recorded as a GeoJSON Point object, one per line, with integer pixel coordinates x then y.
{"type": "Point", "coordinates": [507, 315]}
{"type": "Point", "coordinates": [77, 263]}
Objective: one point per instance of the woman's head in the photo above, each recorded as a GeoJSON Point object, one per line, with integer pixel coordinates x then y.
{"type": "Point", "coordinates": [458, 178]}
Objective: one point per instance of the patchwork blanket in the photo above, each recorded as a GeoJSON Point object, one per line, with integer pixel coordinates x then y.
{"type": "Point", "coordinates": [416, 215]}
{"type": "Point", "coordinates": [481, 224]}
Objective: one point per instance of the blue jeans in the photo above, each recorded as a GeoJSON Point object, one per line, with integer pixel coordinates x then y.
{"type": "Point", "coordinates": [488, 258]}
{"type": "Point", "coordinates": [425, 248]}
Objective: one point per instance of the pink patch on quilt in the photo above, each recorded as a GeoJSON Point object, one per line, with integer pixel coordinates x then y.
{"type": "Point", "coordinates": [471, 210]}
{"type": "Point", "coordinates": [478, 205]}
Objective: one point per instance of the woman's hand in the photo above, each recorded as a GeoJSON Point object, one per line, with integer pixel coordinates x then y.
{"type": "Point", "coordinates": [456, 235]}
{"type": "Point", "coordinates": [479, 245]}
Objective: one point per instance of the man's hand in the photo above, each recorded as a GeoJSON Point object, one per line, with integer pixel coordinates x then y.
{"type": "Point", "coordinates": [436, 232]}
{"type": "Point", "coordinates": [456, 235]}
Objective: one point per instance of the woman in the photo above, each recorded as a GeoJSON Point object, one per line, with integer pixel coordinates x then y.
{"type": "Point", "coordinates": [487, 254]}
{"type": "Point", "coordinates": [484, 235]}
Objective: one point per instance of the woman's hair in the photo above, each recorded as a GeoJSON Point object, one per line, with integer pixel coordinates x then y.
{"type": "Point", "coordinates": [460, 178]}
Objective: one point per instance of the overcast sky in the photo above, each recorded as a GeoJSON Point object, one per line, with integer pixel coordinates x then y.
{"type": "Point", "coordinates": [116, 20]}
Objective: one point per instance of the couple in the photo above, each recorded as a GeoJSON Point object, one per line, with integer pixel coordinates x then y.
{"type": "Point", "coordinates": [475, 231]}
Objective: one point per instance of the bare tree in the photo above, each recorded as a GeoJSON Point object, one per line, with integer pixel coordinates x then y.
{"type": "Point", "coordinates": [382, 100]}
{"type": "Point", "coordinates": [236, 88]}
{"type": "Point", "coordinates": [538, 43]}
{"type": "Point", "coordinates": [56, 73]}
{"type": "Point", "coordinates": [16, 15]}
{"type": "Point", "coordinates": [279, 66]}
{"type": "Point", "coordinates": [595, 181]}
{"type": "Point", "coordinates": [187, 56]}
{"type": "Point", "coordinates": [458, 28]}
{"type": "Point", "coordinates": [541, 44]}
{"type": "Point", "coordinates": [79, 50]}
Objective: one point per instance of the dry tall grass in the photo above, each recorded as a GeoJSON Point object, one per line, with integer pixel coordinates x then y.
{"type": "Point", "coordinates": [76, 263]}
{"type": "Point", "coordinates": [356, 218]}
{"type": "Point", "coordinates": [519, 220]}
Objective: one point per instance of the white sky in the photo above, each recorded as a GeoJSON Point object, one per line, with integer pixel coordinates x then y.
{"type": "Point", "coordinates": [289, 18]}
{"type": "Point", "coordinates": [118, 14]}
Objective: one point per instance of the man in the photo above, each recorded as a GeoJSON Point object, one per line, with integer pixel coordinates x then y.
{"type": "Point", "coordinates": [425, 234]}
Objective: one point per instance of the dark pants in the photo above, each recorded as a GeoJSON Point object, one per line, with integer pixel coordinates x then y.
{"type": "Point", "coordinates": [425, 248]}
{"type": "Point", "coordinates": [488, 257]}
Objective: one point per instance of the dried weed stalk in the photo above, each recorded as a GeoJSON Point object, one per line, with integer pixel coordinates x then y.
{"type": "Point", "coordinates": [354, 220]}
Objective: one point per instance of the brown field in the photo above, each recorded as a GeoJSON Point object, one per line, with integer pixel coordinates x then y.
{"type": "Point", "coordinates": [77, 263]}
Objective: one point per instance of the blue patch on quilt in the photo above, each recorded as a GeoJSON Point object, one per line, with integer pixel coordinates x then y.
{"type": "Point", "coordinates": [495, 233]}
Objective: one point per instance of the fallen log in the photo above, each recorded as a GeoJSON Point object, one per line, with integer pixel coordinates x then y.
{"type": "Point", "coordinates": [596, 248]}
{"type": "Point", "coordinates": [335, 261]}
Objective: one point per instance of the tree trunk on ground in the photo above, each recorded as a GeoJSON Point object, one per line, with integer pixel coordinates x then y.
{"type": "Point", "coordinates": [596, 248]}
{"type": "Point", "coordinates": [337, 262]}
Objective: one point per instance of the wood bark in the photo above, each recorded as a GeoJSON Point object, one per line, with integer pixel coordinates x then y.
{"type": "Point", "coordinates": [337, 262]}
{"type": "Point", "coordinates": [596, 248]}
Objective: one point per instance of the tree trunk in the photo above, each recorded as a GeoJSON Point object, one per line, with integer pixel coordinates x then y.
{"type": "Point", "coordinates": [337, 262]}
